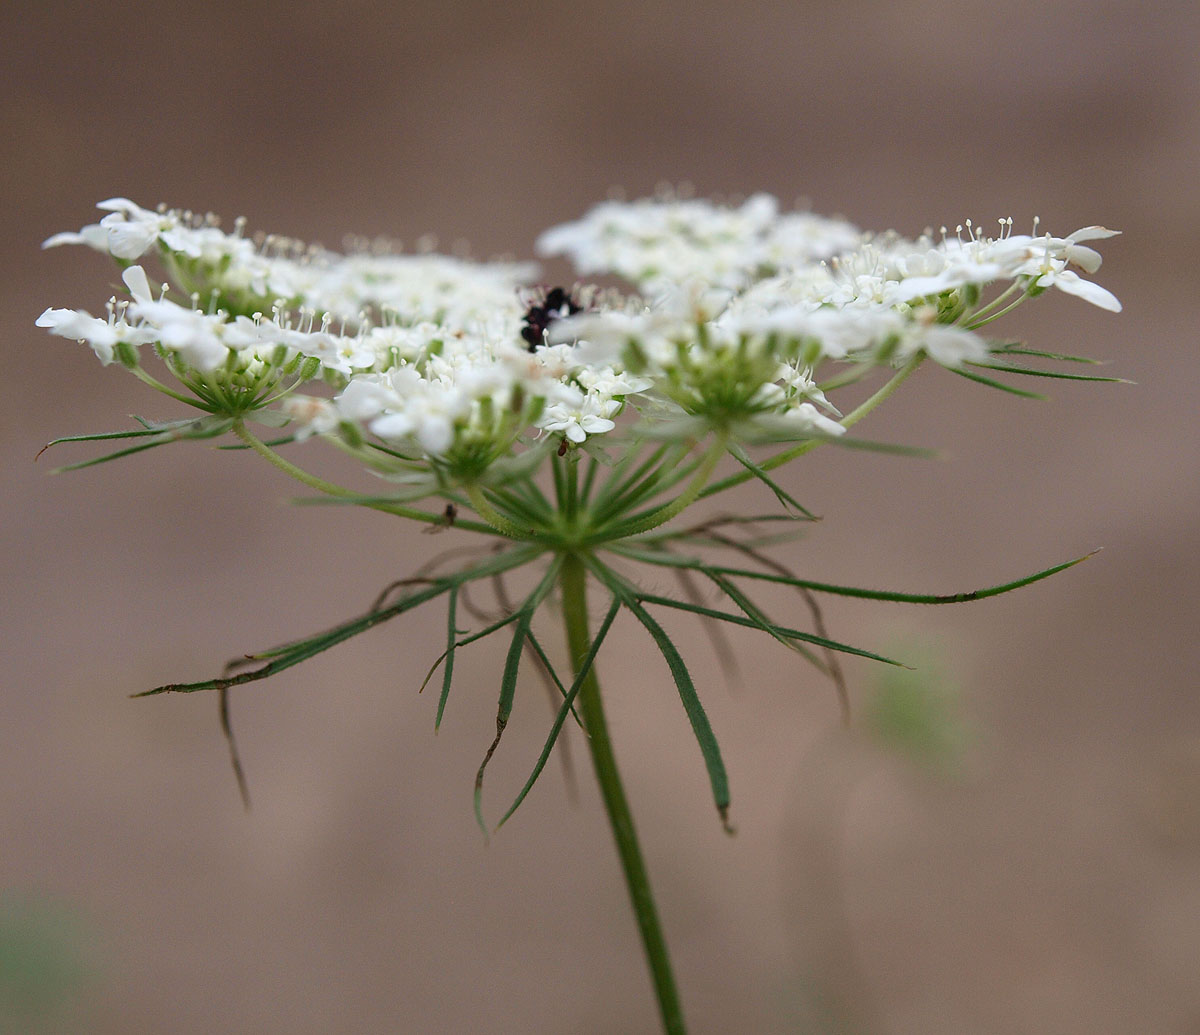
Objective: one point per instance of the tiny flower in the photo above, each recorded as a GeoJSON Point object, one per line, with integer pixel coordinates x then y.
{"type": "Point", "coordinates": [578, 414]}
{"type": "Point", "coordinates": [94, 236]}
{"type": "Point", "coordinates": [133, 230]}
{"type": "Point", "coordinates": [80, 325]}
{"type": "Point", "coordinates": [1073, 284]}
{"type": "Point", "coordinates": [949, 346]}
{"type": "Point", "coordinates": [805, 417]}
{"type": "Point", "coordinates": [310, 415]}
{"type": "Point", "coordinates": [798, 383]}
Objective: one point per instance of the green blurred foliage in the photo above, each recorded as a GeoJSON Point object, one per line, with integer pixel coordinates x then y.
{"type": "Point", "coordinates": [916, 711]}
{"type": "Point", "coordinates": [44, 968]}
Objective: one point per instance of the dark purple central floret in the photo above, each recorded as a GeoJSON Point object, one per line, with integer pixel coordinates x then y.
{"type": "Point", "coordinates": [556, 305]}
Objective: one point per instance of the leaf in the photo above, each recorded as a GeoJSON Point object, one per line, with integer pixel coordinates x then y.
{"type": "Point", "coordinates": [540, 653]}
{"type": "Point", "coordinates": [667, 560]}
{"type": "Point", "coordinates": [105, 435]}
{"type": "Point", "coordinates": [451, 634]}
{"type": "Point", "coordinates": [620, 494]}
{"type": "Point", "coordinates": [194, 428]}
{"type": "Point", "coordinates": [695, 710]}
{"type": "Point", "coordinates": [891, 448]}
{"type": "Point", "coordinates": [301, 650]}
{"type": "Point", "coordinates": [567, 705]}
{"type": "Point", "coordinates": [508, 689]}
{"type": "Point", "coordinates": [994, 384]}
{"type": "Point", "coordinates": [629, 597]}
{"type": "Point", "coordinates": [752, 611]}
{"type": "Point", "coordinates": [820, 641]}
{"type": "Point", "coordinates": [1030, 372]}
{"type": "Point", "coordinates": [508, 681]}
{"type": "Point", "coordinates": [740, 456]}
{"type": "Point", "coordinates": [305, 650]}
{"type": "Point", "coordinates": [1017, 350]}
{"type": "Point", "coordinates": [357, 500]}
{"type": "Point", "coordinates": [271, 443]}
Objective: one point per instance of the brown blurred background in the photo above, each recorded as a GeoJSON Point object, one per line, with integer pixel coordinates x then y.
{"type": "Point", "coordinates": [1046, 878]}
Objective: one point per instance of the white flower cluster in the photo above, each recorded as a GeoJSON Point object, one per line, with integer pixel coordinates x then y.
{"type": "Point", "coordinates": [246, 274]}
{"type": "Point", "coordinates": [659, 243]}
{"type": "Point", "coordinates": [460, 364]}
{"type": "Point", "coordinates": [713, 339]}
{"type": "Point", "coordinates": [426, 350]}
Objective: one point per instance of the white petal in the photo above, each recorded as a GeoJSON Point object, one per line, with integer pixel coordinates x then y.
{"type": "Point", "coordinates": [126, 206]}
{"type": "Point", "coordinates": [951, 346]}
{"type": "Point", "coordinates": [130, 240]}
{"type": "Point", "coordinates": [94, 236]}
{"type": "Point", "coordinates": [436, 435]}
{"type": "Point", "coordinates": [139, 285]}
{"type": "Point", "coordinates": [392, 425]}
{"type": "Point", "coordinates": [1087, 259]}
{"type": "Point", "coordinates": [1091, 233]}
{"type": "Point", "coordinates": [1073, 284]}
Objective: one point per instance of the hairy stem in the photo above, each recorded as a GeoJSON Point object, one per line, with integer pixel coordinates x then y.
{"type": "Point", "coordinates": [492, 516]}
{"type": "Point", "coordinates": [573, 580]}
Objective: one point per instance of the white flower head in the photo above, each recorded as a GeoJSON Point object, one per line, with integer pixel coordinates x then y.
{"type": "Point", "coordinates": [660, 242]}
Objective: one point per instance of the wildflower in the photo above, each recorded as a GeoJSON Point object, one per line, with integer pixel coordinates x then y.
{"type": "Point", "coordinates": [577, 414]}
{"type": "Point", "coordinates": [459, 388]}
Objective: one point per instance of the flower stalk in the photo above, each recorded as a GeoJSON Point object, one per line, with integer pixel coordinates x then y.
{"type": "Point", "coordinates": [573, 583]}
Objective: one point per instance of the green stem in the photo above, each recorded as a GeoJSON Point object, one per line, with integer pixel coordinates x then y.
{"type": "Point", "coordinates": [573, 580]}
{"type": "Point", "coordinates": [851, 418]}
{"type": "Point", "coordinates": [693, 491]}
{"type": "Point", "coordinates": [492, 516]}
{"type": "Point", "coordinates": [330, 489]}
{"type": "Point", "coordinates": [158, 386]}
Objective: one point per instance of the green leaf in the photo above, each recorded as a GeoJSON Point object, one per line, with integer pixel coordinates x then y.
{"type": "Point", "coordinates": [517, 509]}
{"type": "Point", "coordinates": [1019, 350]}
{"type": "Point", "coordinates": [784, 498]}
{"type": "Point", "coordinates": [272, 443]}
{"type": "Point", "coordinates": [305, 650]}
{"type": "Point", "coordinates": [567, 706]}
{"type": "Point", "coordinates": [1030, 372]}
{"type": "Point", "coordinates": [355, 499]}
{"type": "Point", "coordinates": [994, 384]}
{"type": "Point", "coordinates": [105, 435]}
{"type": "Point", "coordinates": [630, 598]}
{"type": "Point", "coordinates": [756, 615]}
{"type": "Point", "coordinates": [508, 681]}
{"type": "Point", "coordinates": [533, 642]}
{"type": "Point", "coordinates": [691, 704]}
{"type": "Point", "coordinates": [508, 689]}
{"type": "Point", "coordinates": [820, 641]}
{"type": "Point", "coordinates": [619, 494]}
{"type": "Point", "coordinates": [447, 675]}
{"type": "Point", "coordinates": [301, 650]}
{"type": "Point", "coordinates": [669, 560]}
{"type": "Point", "coordinates": [486, 631]}
{"type": "Point", "coordinates": [194, 428]}
{"type": "Point", "coordinates": [867, 445]}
